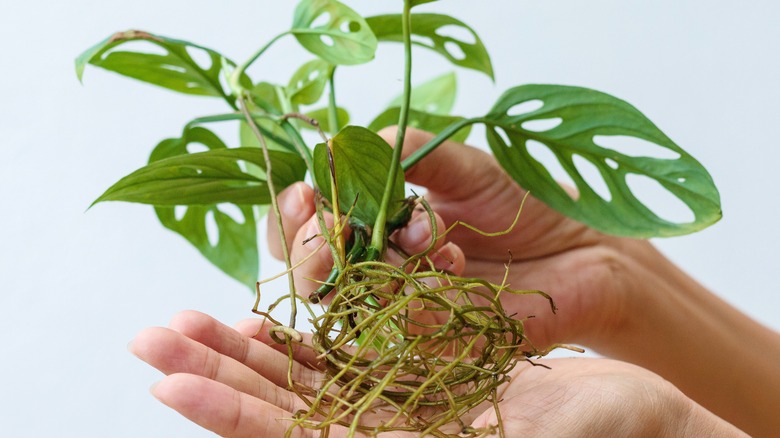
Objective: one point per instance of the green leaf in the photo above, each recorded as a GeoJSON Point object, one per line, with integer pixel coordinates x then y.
{"type": "Point", "coordinates": [433, 31]}
{"type": "Point", "coordinates": [420, 120]}
{"type": "Point", "coordinates": [321, 116]}
{"type": "Point", "coordinates": [344, 38]}
{"type": "Point", "coordinates": [308, 83]}
{"type": "Point", "coordinates": [583, 114]}
{"type": "Point", "coordinates": [362, 162]}
{"type": "Point", "coordinates": [206, 178]}
{"type": "Point", "coordinates": [175, 70]}
{"type": "Point", "coordinates": [265, 96]}
{"type": "Point", "coordinates": [235, 252]}
{"type": "Point", "coordinates": [436, 96]}
{"type": "Point", "coordinates": [421, 2]}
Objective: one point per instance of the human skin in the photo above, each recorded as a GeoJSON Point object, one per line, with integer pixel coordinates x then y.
{"type": "Point", "coordinates": [617, 296]}
{"type": "Point", "coordinates": [233, 382]}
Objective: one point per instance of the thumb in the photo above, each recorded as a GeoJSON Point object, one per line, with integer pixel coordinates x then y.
{"type": "Point", "coordinates": [452, 168]}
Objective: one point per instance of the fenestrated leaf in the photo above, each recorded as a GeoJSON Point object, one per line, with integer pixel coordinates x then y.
{"type": "Point", "coordinates": [308, 82]}
{"type": "Point", "coordinates": [175, 70]}
{"type": "Point", "coordinates": [436, 96]}
{"type": "Point", "coordinates": [362, 161]}
{"type": "Point", "coordinates": [322, 116]}
{"type": "Point", "coordinates": [235, 251]}
{"type": "Point", "coordinates": [581, 114]}
{"type": "Point", "coordinates": [420, 120]}
{"type": "Point", "coordinates": [344, 38]}
{"type": "Point", "coordinates": [206, 178]}
{"type": "Point", "coordinates": [430, 30]}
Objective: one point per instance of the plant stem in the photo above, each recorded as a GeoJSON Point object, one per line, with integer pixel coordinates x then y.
{"type": "Point", "coordinates": [378, 238]}
{"type": "Point", "coordinates": [235, 77]}
{"type": "Point", "coordinates": [448, 132]}
{"type": "Point", "coordinates": [275, 206]}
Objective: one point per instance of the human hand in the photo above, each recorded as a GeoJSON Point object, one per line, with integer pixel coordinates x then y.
{"type": "Point", "coordinates": [235, 386]}
{"type": "Point", "coordinates": [583, 270]}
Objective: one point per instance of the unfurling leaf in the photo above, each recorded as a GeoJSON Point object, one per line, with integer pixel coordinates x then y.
{"type": "Point", "coordinates": [434, 31]}
{"type": "Point", "coordinates": [334, 32]}
{"type": "Point", "coordinates": [362, 162]}
{"type": "Point", "coordinates": [421, 120]}
{"type": "Point", "coordinates": [176, 69]}
{"type": "Point", "coordinates": [574, 117]}
{"type": "Point", "coordinates": [235, 251]}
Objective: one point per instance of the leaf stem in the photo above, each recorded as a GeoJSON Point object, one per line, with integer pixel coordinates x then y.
{"type": "Point", "coordinates": [275, 206]}
{"type": "Point", "coordinates": [378, 238]}
{"type": "Point", "coordinates": [235, 77]}
{"type": "Point", "coordinates": [435, 142]}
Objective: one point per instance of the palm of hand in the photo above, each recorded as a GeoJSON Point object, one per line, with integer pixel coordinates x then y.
{"type": "Point", "coordinates": [236, 386]}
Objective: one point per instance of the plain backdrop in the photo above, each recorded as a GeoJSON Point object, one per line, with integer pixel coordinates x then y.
{"type": "Point", "coordinates": [77, 285]}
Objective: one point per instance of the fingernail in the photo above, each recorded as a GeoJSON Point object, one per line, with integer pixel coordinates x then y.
{"type": "Point", "coordinates": [418, 231]}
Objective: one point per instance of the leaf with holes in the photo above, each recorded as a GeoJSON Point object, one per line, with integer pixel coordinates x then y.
{"type": "Point", "coordinates": [436, 96]}
{"type": "Point", "coordinates": [362, 162]}
{"type": "Point", "coordinates": [421, 120]}
{"type": "Point", "coordinates": [334, 32]}
{"type": "Point", "coordinates": [308, 82]}
{"type": "Point", "coordinates": [207, 178]}
{"type": "Point", "coordinates": [176, 70]}
{"type": "Point", "coordinates": [579, 115]}
{"type": "Point", "coordinates": [235, 251]}
{"type": "Point", "coordinates": [435, 31]}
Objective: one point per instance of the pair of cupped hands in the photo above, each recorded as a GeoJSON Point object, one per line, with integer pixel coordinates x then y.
{"type": "Point", "coordinates": [233, 381]}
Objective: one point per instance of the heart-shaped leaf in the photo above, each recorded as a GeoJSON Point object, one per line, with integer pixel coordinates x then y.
{"type": "Point", "coordinates": [578, 115]}
{"type": "Point", "coordinates": [362, 163]}
{"type": "Point", "coordinates": [420, 120]}
{"type": "Point", "coordinates": [333, 32]}
{"type": "Point", "coordinates": [446, 35]}
{"type": "Point", "coordinates": [436, 96]}
{"type": "Point", "coordinates": [176, 69]}
{"type": "Point", "coordinates": [235, 249]}
{"type": "Point", "coordinates": [206, 178]}
{"type": "Point", "coordinates": [308, 82]}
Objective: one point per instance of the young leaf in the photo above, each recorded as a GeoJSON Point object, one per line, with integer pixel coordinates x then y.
{"type": "Point", "coordinates": [308, 82]}
{"type": "Point", "coordinates": [362, 162]}
{"type": "Point", "coordinates": [344, 38]}
{"type": "Point", "coordinates": [235, 252]}
{"type": "Point", "coordinates": [206, 178]}
{"type": "Point", "coordinates": [582, 114]}
{"type": "Point", "coordinates": [321, 116]}
{"type": "Point", "coordinates": [175, 70]}
{"type": "Point", "coordinates": [431, 31]}
{"type": "Point", "coordinates": [420, 120]}
{"type": "Point", "coordinates": [436, 96]}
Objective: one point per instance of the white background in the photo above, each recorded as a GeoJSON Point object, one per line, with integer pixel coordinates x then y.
{"type": "Point", "coordinates": [76, 286]}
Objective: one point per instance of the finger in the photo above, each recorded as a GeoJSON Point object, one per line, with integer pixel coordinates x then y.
{"type": "Point", "coordinates": [452, 168]}
{"type": "Point", "coordinates": [308, 245]}
{"type": "Point", "coordinates": [238, 345]}
{"type": "Point", "coordinates": [296, 204]}
{"type": "Point", "coordinates": [171, 352]}
{"type": "Point", "coordinates": [258, 329]}
{"type": "Point", "coordinates": [223, 410]}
